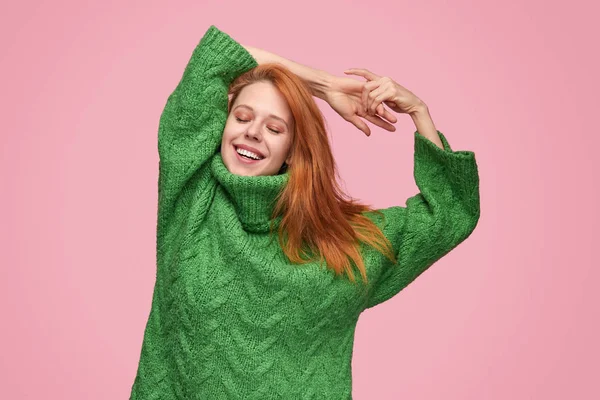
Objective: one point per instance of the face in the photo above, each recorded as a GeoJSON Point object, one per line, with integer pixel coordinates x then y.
{"type": "Point", "coordinates": [258, 132]}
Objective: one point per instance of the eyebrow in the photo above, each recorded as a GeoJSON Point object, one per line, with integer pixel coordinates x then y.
{"type": "Point", "coordinates": [270, 115]}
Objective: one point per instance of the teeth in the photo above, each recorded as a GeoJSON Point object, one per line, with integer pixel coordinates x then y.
{"type": "Point", "coordinates": [248, 154]}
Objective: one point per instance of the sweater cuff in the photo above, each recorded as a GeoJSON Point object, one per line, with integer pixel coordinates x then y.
{"type": "Point", "coordinates": [437, 170]}
{"type": "Point", "coordinates": [425, 148]}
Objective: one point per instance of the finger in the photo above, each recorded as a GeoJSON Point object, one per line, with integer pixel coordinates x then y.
{"type": "Point", "coordinates": [362, 72]}
{"type": "Point", "coordinates": [366, 73]}
{"type": "Point", "coordinates": [380, 123]}
{"type": "Point", "coordinates": [360, 125]}
{"type": "Point", "coordinates": [367, 88]}
{"type": "Point", "coordinates": [374, 99]}
{"type": "Point", "coordinates": [380, 96]}
{"type": "Point", "coordinates": [383, 113]}
{"type": "Point", "coordinates": [389, 116]}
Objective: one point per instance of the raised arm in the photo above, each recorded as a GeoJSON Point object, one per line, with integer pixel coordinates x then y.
{"type": "Point", "coordinates": [445, 211]}
{"type": "Point", "coordinates": [319, 81]}
{"type": "Point", "coordinates": [436, 220]}
{"type": "Point", "coordinates": [190, 131]}
{"type": "Point", "coordinates": [192, 122]}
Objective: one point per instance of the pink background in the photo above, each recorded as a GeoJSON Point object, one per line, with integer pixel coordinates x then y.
{"type": "Point", "coordinates": [512, 313]}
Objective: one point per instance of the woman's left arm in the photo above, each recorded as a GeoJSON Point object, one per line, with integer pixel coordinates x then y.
{"type": "Point", "coordinates": [444, 212]}
{"type": "Point", "coordinates": [433, 222]}
{"type": "Point", "coordinates": [424, 124]}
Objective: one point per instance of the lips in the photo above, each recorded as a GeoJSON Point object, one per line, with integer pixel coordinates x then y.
{"type": "Point", "coordinates": [244, 159]}
{"type": "Point", "coordinates": [249, 148]}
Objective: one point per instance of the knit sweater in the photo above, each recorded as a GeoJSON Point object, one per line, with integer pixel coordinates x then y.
{"type": "Point", "coordinates": [231, 317]}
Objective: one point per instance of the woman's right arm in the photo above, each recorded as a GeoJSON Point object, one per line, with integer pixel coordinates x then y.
{"type": "Point", "coordinates": [319, 81]}
{"type": "Point", "coordinates": [192, 122]}
{"type": "Point", "coordinates": [190, 132]}
{"type": "Point", "coordinates": [152, 379]}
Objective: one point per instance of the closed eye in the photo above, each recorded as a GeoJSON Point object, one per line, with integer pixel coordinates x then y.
{"type": "Point", "coordinates": [243, 120]}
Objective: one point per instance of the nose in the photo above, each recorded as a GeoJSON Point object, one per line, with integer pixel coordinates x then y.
{"type": "Point", "coordinates": [253, 133]}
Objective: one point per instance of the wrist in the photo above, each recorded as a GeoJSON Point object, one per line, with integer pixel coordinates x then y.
{"type": "Point", "coordinates": [419, 111]}
{"type": "Point", "coordinates": [320, 84]}
{"type": "Point", "coordinates": [422, 119]}
{"type": "Point", "coordinates": [424, 124]}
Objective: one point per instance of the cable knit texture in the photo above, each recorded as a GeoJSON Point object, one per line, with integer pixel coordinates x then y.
{"type": "Point", "coordinates": [231, 317]}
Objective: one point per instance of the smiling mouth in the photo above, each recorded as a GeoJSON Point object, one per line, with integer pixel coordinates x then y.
{"type": "Point", "coordinates": [247, 156]}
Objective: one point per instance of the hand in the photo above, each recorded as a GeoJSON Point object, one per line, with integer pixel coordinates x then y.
{"type": "Point", "coordinates": [384, 90]}
{"type": "Point", "coordinates": [345, 97]}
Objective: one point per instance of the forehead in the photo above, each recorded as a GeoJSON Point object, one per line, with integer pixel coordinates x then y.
{"type": "Point", "coordinates": [263, 98]}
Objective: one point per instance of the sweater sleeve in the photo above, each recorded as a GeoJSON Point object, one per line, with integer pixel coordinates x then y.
{"type": "Point", "coordinates": [192, 122]}
{"type": "Point", "coordinates": [189, 134]}
{"type": "Point", "coordinates": [151, 380]}
{"type": "Point", "coordinates": [436, 220]}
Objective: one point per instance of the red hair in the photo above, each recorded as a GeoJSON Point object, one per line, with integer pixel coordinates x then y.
{"type": "Point", "coordinates": [319, 222]}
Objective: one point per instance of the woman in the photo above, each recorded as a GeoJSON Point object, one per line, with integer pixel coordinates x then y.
{"type": "Point", "coordinates": [236, 314]}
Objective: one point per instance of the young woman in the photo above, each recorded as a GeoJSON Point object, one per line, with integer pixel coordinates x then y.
{"type": "Point", "coordinates": [263, 264]}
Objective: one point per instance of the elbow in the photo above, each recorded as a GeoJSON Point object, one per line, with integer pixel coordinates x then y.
{"type": "Point", "coordinates": [471, 224]}
{"type": "Point", "coordinates": [467, 215]}
{"type": "Point", "coordinates": [468, 220]}
{"type": "Point", "coordinates": [459, 224]}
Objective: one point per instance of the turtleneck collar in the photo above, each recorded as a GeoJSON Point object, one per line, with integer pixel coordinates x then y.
{"type": "Point", "coordinates": [253, 197]}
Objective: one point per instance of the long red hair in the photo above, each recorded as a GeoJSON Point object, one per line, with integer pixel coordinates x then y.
{"type": "Point", "coordinates": [319, 222]}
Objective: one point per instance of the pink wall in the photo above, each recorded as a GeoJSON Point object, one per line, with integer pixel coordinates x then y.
{"type": "Point", "coordinates": [512, 313]}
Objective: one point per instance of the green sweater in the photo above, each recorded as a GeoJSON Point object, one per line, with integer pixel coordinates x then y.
{"type": "Point", "coordinates": [231, 317]}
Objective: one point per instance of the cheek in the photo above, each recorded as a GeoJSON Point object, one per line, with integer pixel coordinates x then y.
{"type": "Point", "coordinates": [279, 147]}
{"type": "Point", "coordinates": [286, 147]}
{"type": "Point", "coordinates": [224, 138]}
{"type": "Point", "coordinates": [228, 133]}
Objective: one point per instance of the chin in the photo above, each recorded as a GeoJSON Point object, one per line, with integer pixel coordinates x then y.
{"type": "Point", "coordinates": [236, 167]}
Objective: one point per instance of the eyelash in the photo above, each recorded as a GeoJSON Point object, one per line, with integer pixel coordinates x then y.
{"type": "Point", "coordinates": [242, 120]}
